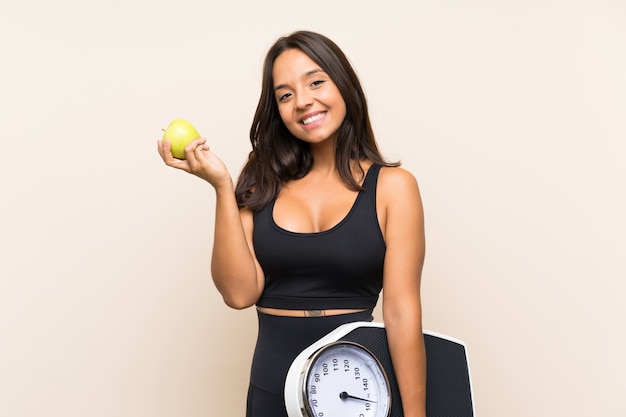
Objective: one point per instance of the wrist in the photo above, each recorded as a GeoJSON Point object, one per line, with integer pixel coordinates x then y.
{"type": "Point", "coordinates": [224, 186]}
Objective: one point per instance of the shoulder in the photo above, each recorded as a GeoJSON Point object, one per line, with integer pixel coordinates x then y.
{"type": "Point", "coordinates": [399, 206]}
{"type": "Point", "coordinates": [396, 182]}
{"type": "Point", "coordinates": [398, 196]}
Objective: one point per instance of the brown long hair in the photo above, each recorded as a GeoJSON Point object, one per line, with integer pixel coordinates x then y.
{"type": "Point", "coordinates": [277, 156]}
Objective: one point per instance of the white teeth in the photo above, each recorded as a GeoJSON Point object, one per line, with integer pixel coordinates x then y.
{"type": "Point", "coordinates": [313, 118]}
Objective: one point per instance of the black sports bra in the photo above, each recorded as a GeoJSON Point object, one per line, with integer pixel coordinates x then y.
{"type": "Point", "coordinates": [340, 268]}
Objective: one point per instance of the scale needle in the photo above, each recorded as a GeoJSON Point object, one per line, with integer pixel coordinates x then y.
{"type": "Point", "coordinates": [344, 396]}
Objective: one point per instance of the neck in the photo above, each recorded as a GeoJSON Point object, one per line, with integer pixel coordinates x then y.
{"type": "Point", "coordinates": [324, 155]}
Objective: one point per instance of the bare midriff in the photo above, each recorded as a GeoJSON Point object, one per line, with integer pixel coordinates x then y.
{"type": "Point", "coordinates": [306, 313]}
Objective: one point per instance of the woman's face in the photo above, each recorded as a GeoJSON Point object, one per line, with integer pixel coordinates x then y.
{"type": "Point", "coordinates": [309, 102]}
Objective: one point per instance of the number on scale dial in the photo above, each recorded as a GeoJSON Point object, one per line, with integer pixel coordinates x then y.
{"type": "Point", "coordinates": [345, 379]}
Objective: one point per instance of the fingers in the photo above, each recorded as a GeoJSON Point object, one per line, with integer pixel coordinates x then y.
{"type": "Point", "coordinates": [196, 153]}
{"type": "Point", "coordinates": [194, 145]}
{"type": "Point", "coordinates": [192, 154]}
{"type": "Point", "coordinates": [165, 150]}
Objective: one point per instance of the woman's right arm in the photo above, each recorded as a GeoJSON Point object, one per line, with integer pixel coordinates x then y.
{"type": "Point", "coordinates": [236, 272]}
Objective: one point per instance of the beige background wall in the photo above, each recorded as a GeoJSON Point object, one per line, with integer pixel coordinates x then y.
{"type": "Point", "coordinates": [510, 113]}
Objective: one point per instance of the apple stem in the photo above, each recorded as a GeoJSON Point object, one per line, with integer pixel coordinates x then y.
{"type": "Point", "coordinates": [163, 130]}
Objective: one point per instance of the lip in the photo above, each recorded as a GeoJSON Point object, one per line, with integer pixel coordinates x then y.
{"type": "Point", "coordinates": [315, 122]}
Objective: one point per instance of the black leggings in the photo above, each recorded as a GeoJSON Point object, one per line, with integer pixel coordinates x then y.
{"type": "Point", "coordinates": [280, 340]}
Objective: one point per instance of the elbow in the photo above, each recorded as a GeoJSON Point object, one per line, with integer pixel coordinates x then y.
{"type": "Point", "coordinates": [408, 316]}
{"type": "Point", "coordinates": [236, 295]}
{"type": "Point", "coordinates": [238, 302]}
{"type": "Point", "coordinates": [237, 305]}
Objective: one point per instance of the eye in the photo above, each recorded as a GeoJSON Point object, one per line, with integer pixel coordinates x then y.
{"type": "Point", "coordinates": [284, 97]}
{"type": "Point", "coordinates": [317, 83]}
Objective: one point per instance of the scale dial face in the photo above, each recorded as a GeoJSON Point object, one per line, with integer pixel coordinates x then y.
{"type": "Point", "coordinates": [345, 379]}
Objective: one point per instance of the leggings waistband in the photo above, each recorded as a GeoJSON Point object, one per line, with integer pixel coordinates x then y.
{"type": "Point", "coordinates": [282, 338]}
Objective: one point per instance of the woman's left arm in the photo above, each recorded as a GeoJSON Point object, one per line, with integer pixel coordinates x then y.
{"type": "Point", "coordinates": [403, 227]}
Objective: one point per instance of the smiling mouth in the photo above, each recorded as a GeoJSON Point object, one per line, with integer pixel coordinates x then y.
{"type": "Point", "coordinates": [312, 119]}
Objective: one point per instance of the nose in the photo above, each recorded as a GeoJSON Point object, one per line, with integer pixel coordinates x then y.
{"type": "Point", "coordinates": [304, 98]}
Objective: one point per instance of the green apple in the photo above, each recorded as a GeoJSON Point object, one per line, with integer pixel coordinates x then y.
{"type": "Point", "coordinates": [180, 132]}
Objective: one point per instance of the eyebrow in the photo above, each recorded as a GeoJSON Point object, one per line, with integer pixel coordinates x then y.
{"type": "Point", "coordinates": [306, 74]}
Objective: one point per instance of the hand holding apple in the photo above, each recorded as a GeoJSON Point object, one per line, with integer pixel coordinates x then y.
{"type": "Point", "coordinates": [180, 132]}
{"type": "Point", "coordinates": [200, 161]}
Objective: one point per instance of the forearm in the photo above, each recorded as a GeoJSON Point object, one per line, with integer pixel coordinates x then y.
{"type": "Point", "coordinates": [406, 345]}
{"type": "Point", "coordinates": [232, 264]}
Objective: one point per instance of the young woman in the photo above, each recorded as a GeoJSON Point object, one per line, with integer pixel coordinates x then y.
{"type": "Point", "coordinates": [318, 224]}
